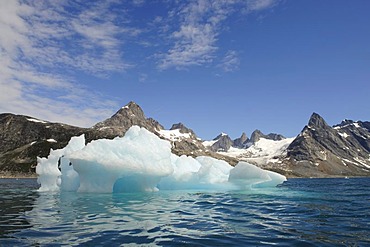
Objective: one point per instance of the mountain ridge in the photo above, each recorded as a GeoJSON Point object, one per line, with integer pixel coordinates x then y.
{"type": "Point", "coordinates": [319, 150]}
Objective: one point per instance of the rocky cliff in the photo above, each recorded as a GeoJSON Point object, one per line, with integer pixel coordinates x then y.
{"type": "Point", "coordinates": [117, 125]}
{"type": "Point", "coordinates": [23, 138]}
{"type": "Point", "coordinates": [321, 150]}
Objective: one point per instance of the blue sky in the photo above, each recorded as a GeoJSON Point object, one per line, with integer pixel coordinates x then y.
{"type": "Point", "coordinates": [217, 66]}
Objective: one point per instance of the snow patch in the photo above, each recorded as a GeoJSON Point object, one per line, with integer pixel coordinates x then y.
{"type": "Point", "coordinates": [173, 135]}
{"type": "Point", "coordinates": [358, 162]}
{"type": "Point", "coordinates": [345, 135]}
{"type": "Point", "coordinates": [51, 140]}
{"type": "Point", "coordinates": [361, 162]}
{"type": "Point", "coordinates": [309, 127]}
{"type": "Point", "coordinates": [262, 152]}
{"type": "Point", "coordinates": [209, 143]}
{"type": "Point", "coordinates": [36, 120]}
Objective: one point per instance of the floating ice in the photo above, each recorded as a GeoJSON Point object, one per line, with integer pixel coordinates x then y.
{"type": "Point", "coordinates": [47, 168]}
{"type": "Point", "coordinates": [141, 161]}
{"type": "Point", "coordinates": [135, 162]}
{"type": "Point", "coordinates": [245, 175]}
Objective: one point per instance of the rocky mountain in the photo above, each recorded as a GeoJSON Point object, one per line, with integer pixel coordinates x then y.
{"type": "Point", "coordinates": [222, 143]}
{"type": "Point", "coordinates": [185, 142]}
{"type": "Point", "coordinates": [318, 151]}
{"type": "Point", "coordinates": [257, 135]}
{"type": "Point", "coordinates": [23, 138]}
{"type": "Point", "coordinates": [117, 125]}
{"type": "Point", "coordinates": [241, 141]}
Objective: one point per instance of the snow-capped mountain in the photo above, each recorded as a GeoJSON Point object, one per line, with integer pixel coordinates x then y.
{"type": "Point", "coordinates": [340, 150]}
{"type": "Point", "coordinates": [261, 152]}
{"type": "Point", "coordinates": [260, 149]}
{"type": "Point", "coordinates": [318, 151]}
{"type": "Point", "coordinates": [223, 143]}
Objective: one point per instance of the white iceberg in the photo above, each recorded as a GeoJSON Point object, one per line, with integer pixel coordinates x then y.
{"type": "Point", "coordinates": [141, 161]}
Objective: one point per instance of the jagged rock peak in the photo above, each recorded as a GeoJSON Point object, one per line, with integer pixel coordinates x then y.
{"type": "Point", "coordinates": [155, 123]}
{"type": "Point", "coordinates": [129, 115]}
{"type": "Point", "coordinates": [131, 104]}
{"type": "Point", "coordinates": [131, 108]}
{"type": "Point", "coordinates": [220, 136]}
{"type": "Point", "coordinates": [241, 141]}
{"type": "Point", "coordinates": [347, 121]}
{"type": "Point", "coordinates": [316, 121]}
{"type": "Point", "coordinates": [223, 143]}
{"type": "Point", "coordinates": [256, 135]}
{"type": "Point", "coordinates": [182, 128]}
{"type": "Point", "coordinates": [243, 138]}
{"type": "Point", "coordinates": [275, 137]}
{"type": "Point", "coordinates": [344, 122]}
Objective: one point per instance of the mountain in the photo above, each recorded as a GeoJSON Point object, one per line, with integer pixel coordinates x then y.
{"type": "Point", "coordinates": [257, 135]}
{"type": "Point", "coordinates": [117, 125]}
{"type": "Point", "coordinates": [23, 138]}
{"type": "Point", "coordinates": [223, 143]}
{"type": "Point", "coordinates": [183, 140]}
{"type": "Point", "coordinates": [342, 150]}
{"type": "Point", "coordinates": [261, 150]}
{"type": "Point", "coordinates": [241, 141]}
{"type": "Point", "coordinates": [318, 151]}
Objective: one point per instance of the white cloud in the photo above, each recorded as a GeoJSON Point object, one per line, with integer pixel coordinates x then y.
{"type": "Point", "coordinates": [41, 41]}
{"type": "Point", "coordinates": [138, 2]}
{"type": "Point", "coordinates": [194, 41]}
{"type": "Point", "coordinates": [40, 38]}
{"type": "Point", "coordinates": [230, 62]}
{"type": "Point", "coordinates": [257, 5]}
{"type": "Point", "coordinates": [201, 22]}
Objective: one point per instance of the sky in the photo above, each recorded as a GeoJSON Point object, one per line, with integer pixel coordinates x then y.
{"type": "Point", "coordinates": [217, 66]}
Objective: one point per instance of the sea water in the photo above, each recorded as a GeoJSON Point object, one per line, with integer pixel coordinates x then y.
{"type": "Point", "coordinates": [300, 212]}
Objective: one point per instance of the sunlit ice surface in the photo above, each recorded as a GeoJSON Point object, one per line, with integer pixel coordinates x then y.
{"type": "Point", "coordinates": [142, 162]}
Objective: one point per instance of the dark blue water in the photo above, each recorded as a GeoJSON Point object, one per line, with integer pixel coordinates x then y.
{"type": "Point", "coordinates": [301, 212]}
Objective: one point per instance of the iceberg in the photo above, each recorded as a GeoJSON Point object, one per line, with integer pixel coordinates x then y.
{"type": "Point", "coordinates": [48, 168]}
{"type": "Point", "coordinates": [141, 162]}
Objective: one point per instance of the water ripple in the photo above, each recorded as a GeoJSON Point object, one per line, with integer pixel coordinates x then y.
{"type": "Point", "coordinates": [302, 212]}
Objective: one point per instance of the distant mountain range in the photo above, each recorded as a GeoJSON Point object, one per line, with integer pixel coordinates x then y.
{"type": "Point", "coordinates": [318, 151]}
